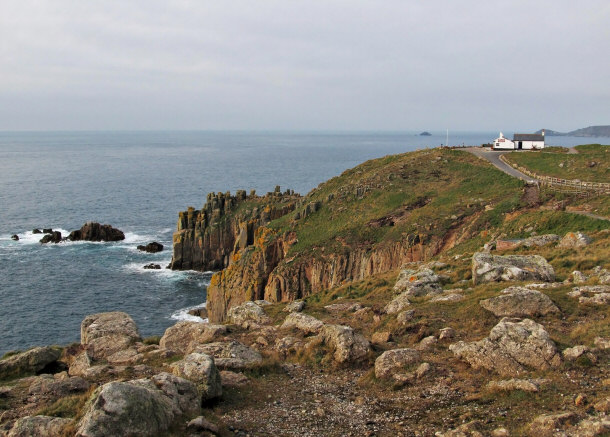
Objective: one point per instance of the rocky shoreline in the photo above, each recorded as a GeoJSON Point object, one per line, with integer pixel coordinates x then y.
{"type": "Point", "coordinates": [346, 368]}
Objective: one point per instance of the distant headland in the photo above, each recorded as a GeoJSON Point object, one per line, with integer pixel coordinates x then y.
{"type": "Point", "coordinates": [591, 131]}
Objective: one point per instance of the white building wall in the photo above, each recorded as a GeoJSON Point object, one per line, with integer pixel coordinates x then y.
{"type": "Point", "coordinates": [529, 145]}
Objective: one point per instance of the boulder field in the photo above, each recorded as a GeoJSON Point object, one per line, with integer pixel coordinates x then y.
{"type": "Point", "coordinates": [333, 365]}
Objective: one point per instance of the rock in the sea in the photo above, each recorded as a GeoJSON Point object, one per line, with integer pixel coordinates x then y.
{"type": "Point", "coordinates": [303, 322]}
{"type": "Point", "coordinates": [39, 426]}
{"type": "Point", "coordinates": [152, 266]}
{"type": "Point", "coordinates": [199, 312]}
{"type": "Point", "coordinates": [153, 247]}
{"type": "Point", "coordinates": [30, 361]}
{"type": "Point", "coordinates": [347, 345]}
{"type": "Point", "coordinates": [141, 407]}
{"type": "Point", "coordinates": [184, 337]}
{"type": "Point", "coordinates": [490, 268]}
{"type": "Point", "coordinates": [573, 240]}
{"type": "Point", "coordinates": [15, 237]}
{"type": "Point", "coordinates": [520, 302]}
{"type": "Point", "coordinates": [513, 347]}
{"type": "Point", "coordinates": [248, 315]}
{"type": "Point", "coordinates": [107, 333]}
{"type": "Point", "coordinates": [36, 231]}
{"type": "Point", "coordinates": [200, 369]}
{"type": "Point", "coordinates": [92, 231]}
{"type": "Point", "coordinates": [229, 355]}
{"type": "Point", "coordinates": [53, 237]}
{"type": "Point", "coordinates": [395, 361]}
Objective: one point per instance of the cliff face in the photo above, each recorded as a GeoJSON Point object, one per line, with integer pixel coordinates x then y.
{"type": "Point", "coordinates": [369, 220]}
{"type": "Point", "coordinates": [206, 239]}
{"type": "Point", "coordinates": [263, 271]}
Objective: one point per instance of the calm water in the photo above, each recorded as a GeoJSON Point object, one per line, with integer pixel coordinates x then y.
{"type": "Point", "coordinates": [137, 182]}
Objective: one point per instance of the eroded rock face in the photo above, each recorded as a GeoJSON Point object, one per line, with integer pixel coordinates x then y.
{"type": "Point", "coordinates": [31, 361]}
{"type": "Point", "coordinates": [520, 302]}
{"type": "Point", "coordinates": [548, 425]}
{"type": "Point", "coordinates": [142, 407]}
{"type": "Point", "coordinates": [513, 347]}
{"type": "Point", "coordinates": [346, 344]}
{"type": "Point", "coordinates": [92, 231]}
{"type": "Point", "coordinates": [39, 426]}
{"type": "Point", "coordinates": [184, 337]}
{"type": "Point", "coordinates": [303, 322]}
{"type": "Point", "coordinates": [395, 361]}
{"type": "Point", "coordinates": [230, 355]}
{"type": "Point", "coordinates": [200, 369]}
{"type": "Point", "coordinates": [248, 314]}
{"type": "Point", "coordinates": [495, 268]}
{"type": "Point", "coordinates": [107, 333]}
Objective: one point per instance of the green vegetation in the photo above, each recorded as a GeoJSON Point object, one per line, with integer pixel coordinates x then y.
{"type": "Point", "coordinates": [591, 163]}
{"type": "Point", "coordinates": [421, 194]}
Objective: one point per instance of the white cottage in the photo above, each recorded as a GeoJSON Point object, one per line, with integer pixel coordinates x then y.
{"type": "Point", "coordinates": [519, 141]}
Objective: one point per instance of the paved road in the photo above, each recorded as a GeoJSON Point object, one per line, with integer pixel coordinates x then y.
{"type": "Point", "coordinates": [493, 156]}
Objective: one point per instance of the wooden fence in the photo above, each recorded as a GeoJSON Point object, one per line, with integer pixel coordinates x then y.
{"type": "Point", "coordinates": [564, 185]}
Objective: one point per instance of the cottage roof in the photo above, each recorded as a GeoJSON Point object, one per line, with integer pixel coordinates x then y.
{"type": "Point", "coordinates": [528, 137]}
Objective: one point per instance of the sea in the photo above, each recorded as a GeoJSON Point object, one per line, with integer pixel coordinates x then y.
{"type": "Point", "coordinates": [138, 182]}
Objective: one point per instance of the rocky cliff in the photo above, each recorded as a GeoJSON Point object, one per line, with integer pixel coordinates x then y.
{"type": "Point", "coordinates": [207, 239]}
{"type": "Point", "coordinates": [370, 220]}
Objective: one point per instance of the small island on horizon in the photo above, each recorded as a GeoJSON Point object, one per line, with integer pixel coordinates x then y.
{"type": "Point", "coordinates": [425, 134]}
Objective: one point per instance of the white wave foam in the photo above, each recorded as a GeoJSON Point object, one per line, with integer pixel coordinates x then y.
{"type": "Point", "coordinates": [183, 314]}
{"type": "Point", "coordinates": [132, 237]}
{"type": "Point", "coordinates": [28, 237]}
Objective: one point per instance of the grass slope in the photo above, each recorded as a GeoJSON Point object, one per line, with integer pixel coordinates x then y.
{"type": "Point", "coordinates": [568, 166]}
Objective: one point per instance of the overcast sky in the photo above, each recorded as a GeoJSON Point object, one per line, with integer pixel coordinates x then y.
{"type": "Point", "coordinates": [321, 65]}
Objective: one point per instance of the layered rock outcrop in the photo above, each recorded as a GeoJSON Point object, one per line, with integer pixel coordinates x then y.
{"type": "Point", "coordinates": [206, 239]}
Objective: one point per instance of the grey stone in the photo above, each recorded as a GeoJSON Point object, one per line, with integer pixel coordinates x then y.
{"type": "Point", "coordinates": [107, 333]}
{"type": "Point", "coordinates": [395, 361]}
{"type": "Point", "coordinates": [513, 347]}
{"type": "Point", "coordinates": [141, 407]}
{"type": "Point", "coordinates": [30, 361]}
{"type": "Point", "coordinates": [347, 345]}
{"type": "Point", "coordinates": [39, 426]}
{"type": "Point", "coordinates": [247, 315]}
{"type": "Point", "coordinates": [490, 268]}
{"type": "Point", "coordinates": [520, 302]}
{"type": "Point", "coordinates": [303, 322]}
{"type": "Point", "coordinates": [201, 370]}
{"type": "Point", "coordinates": [185, 336]}
{"type": "Point", "coordinates": [230, 355]}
